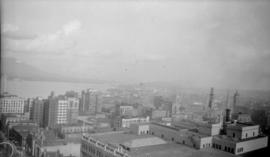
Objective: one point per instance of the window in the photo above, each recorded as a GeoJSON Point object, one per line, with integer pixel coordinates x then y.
{"type": "Point", "coordinates": [233, 134]}
{"type": "Point", "coordinates": [253, 133]}
{"type": "Point", "coordinates": [162, 136]}
{"type": "Point", "coordinates": [246, 135]}
{"type": "Point", "coordinates": [172, 139]}
{"type": "Point", "coordinates": [183, 142]}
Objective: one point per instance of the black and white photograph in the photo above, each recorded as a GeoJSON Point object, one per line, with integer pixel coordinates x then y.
{"type": "Point", "coordinates": [135, 78]}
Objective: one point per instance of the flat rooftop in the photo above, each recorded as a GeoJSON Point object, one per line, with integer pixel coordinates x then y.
{"type": "Point", "coordinates": [66, 150]}
{"type": "Point", "coordinates": [229, 139]}
{"type": "Point", "coordinates": [242, 125]}
{"type": "Point", "coordinates": [177, 150]}
{"type": "Point", "coordinates": [127, 139]}
{"type": "Point", "coordinates": [156, 148]}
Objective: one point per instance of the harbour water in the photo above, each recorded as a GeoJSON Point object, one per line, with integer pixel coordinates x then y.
{"type": "Point", "coordinates": [28, 89]}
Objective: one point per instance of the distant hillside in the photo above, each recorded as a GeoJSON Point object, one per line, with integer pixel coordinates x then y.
{"type": "Point", "coordinates": [13, 69]}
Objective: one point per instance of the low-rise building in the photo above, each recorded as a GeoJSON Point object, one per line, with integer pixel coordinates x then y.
{"type": "Point", "coordinates": [157, 113]}
{"type": "Point", "coordinates": [122, 144]}
{"type": "Point", "coordinates": [125, 122]}
{"type": "Point", "coordinates": [74, 131]}
{"type": "Point", "coordinates": [240, 138]}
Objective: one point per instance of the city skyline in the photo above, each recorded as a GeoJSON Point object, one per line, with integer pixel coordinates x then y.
{"type": "Point", "coordinates": [135, 78]}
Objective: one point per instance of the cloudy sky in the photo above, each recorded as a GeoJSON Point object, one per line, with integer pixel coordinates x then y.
{"type": "Point", "coordinates": [198, 43]}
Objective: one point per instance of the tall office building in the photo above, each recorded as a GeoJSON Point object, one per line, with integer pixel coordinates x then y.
{"type": "Point", "coordinates": [89, 102]}
{"type": "Point", "coordinates": [82, 102]}
{"type": "Point", "coordinates": [56, 111]}
{"type": "Point", "coordinates": [28, 103]}
{"type": "Point", "coordinates": [73, 109]}
{"type": "Point", "coordinates": [37, 111]}
{"type": "Point", "coordinates": [11, 104]}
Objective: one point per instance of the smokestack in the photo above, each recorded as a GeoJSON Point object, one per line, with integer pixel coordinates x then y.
{"type": "Point", "coordinates": [227, 100]}
{"type": "Point", "coordinates": [235, 100]}
{"type": "Point", "coordinates": [96, 106]}
{"type": "Point", "coordinates": [228, 115]}
{"type": "Point", "coordinates": [211, 96]}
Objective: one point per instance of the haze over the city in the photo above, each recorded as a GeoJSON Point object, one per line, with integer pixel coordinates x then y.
{"type": "Point", "coordinates": [208, 43]}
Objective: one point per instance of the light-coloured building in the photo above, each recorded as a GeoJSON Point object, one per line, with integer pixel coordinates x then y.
{"type": "Point", "coordinates": [126, 122]}
{"type": "Point", "coordinates": [123, 144]}
{"type": "Point", "coordinates": [242, 131]}
{"type": "Point", "coordinates": [240, 138]}
{"type": "Point", "coordinates": [191, 138]}
{"type": "Point", "coordinates": [62, 111]}
{"type": "Point", "coordinates": [56, 112]}
{"type": "Point", "coordinates": [125, 110]}
{"type": "Point", "coordinates": [159, 113]}
{"type": "Point", "coordinates": [11, 104]}
{"type": "Point", "coordinates": [209, 129]}
{"type": "Point", "coordinates": [244, 118]}
{"type": "Point", "coordinates": [75, 129]}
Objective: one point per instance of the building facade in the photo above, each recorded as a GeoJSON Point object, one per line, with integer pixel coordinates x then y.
{"type": "Point", "coordinates": [73, 110]}
{"type": "Point", "coordinates": [56, 112]}
{"type": "Point", "coordinates": [37, 111]}
{"type": "Point", "coordinates": [89, 102]}
{"type": "Point", "coordinates": [11, 104]}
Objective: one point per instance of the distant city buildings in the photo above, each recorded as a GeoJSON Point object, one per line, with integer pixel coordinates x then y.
{"type": "Point", "coordinates": [11, 104]}
{"type": "Point", "coordinates": [76, 124]}
{"type": "Point", "coordinates": [89, 102]}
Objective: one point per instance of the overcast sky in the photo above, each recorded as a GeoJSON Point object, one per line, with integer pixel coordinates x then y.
{"type": "Point", "coordinates": [208, 43]}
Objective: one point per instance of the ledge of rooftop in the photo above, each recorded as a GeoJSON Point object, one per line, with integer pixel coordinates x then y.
{"type": "Point", "coordinates": [66, 149]}
{"type": "Point", "coordinates": [127, 139]}
{"type": "Point", "coordinates": [176, 150]}
{"type": "Point", "coordinates": [230, 139]}
{"type": "Point", "coordinates": [71, 125]}
{"type": "Point", "coordinates": [243, 124]}
{"type": "Point", "coordinates": [6, 94]}
{"type": "Point", "coordinates": [166, 126]}
{"type": "Point", "coordinates": [197, 133]}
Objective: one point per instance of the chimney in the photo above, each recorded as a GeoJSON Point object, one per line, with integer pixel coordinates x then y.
{"type": "Point", "coordinates": [227, 101]}
{"type": "Point", "coordinates": [235, 101]}
{"type": "Point", "coordinates": [211, 96]}
{"type": "Point", "coordinates": [228, 115]}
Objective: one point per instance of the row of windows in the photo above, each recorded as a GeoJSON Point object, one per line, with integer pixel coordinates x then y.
{"type": "Point", "coordinates": [93, 151]}
{"type": "Point", "coordinates": [206, 145]}
{"type": "Point", "coordinates": [11, 111]}
{"type": "Point", "coordinates": [12, 101]}
{"type": "Point", "coordinates": [217, 146]}
{"type": "Point", "coordinates": [172, 139]}
{"type": "Point", "coordinates": [240, 149]}
{"type": "Point", "coordinates": [246, 134]}
{"type": "Point", "coordinates": [12, 104]}
{"type": "Point", "coordinates": [227, 149]}
{"type": "Point", "coordinates": [76, 130]}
